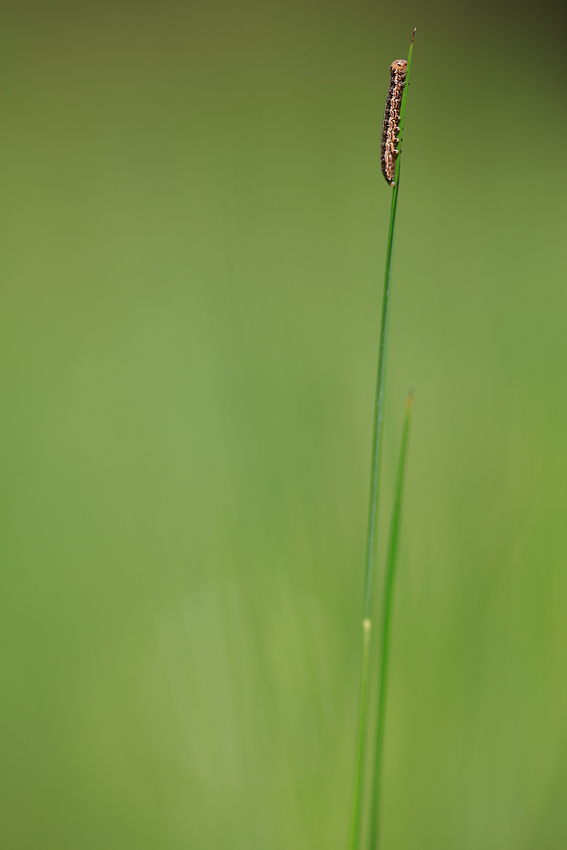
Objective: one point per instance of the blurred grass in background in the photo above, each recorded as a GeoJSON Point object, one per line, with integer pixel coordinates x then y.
{"type": "Point", "coordinates": [192, 247]}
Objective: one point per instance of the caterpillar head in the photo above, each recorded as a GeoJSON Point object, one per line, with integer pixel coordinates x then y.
{"type": "Point", "coordinates": [398, 66]}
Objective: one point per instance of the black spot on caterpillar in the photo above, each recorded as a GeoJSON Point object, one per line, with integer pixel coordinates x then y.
{"type": "Point", "coordinates": [391, 127]}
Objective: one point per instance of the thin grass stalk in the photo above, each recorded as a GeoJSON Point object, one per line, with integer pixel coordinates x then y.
{"type": "Point", "coordinates": [358, 797]}
{"type": "Point", "coordinates": [374, 835]}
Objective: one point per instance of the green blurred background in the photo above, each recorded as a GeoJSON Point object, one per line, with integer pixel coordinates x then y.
{"type": "Point", "coordinates": [192, 240]}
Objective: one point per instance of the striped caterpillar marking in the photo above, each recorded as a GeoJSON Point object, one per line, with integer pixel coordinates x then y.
{"type": "Point", "coordinates": [391, 127]}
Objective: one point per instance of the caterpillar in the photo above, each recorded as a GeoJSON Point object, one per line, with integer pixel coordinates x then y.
{"type": "Point", "coordinates": [390, 129]}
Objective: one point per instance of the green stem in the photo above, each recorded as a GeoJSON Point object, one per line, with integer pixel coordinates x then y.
{"type": "Point", "coordinates": [371, 542]}
{"type": "Point", "coordinates": [386, 621]}
{"type": "Point", "coordinates": [379, 415]}
{"type": "Point", "coordinates": [373, 503]}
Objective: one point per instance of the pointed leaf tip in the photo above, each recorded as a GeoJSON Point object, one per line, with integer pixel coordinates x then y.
{"type": "Point", "coordinates": [413, 34]}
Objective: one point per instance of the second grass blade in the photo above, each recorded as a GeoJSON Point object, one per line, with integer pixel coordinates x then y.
{"type": "Point", "coordinates": [386, 620]}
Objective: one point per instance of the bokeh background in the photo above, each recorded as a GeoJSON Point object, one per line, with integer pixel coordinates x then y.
{"type": "Point", "coordinates": [193, 232]}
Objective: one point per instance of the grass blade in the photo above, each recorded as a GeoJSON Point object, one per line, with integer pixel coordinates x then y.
{"type": "Point", "coordinates": [356, 819]}
{"type": "Point", "coordinates": [386, 620]}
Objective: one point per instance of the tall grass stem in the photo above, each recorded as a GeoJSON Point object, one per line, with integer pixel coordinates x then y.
{"type": "Point", "coordinates": [358, 799]}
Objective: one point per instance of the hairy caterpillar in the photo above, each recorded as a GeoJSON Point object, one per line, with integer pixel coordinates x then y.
{"type": "Point", "coordinates": [390, 140]}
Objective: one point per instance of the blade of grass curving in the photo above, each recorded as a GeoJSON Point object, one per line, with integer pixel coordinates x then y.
{"type": "Point", "coordinates": [356, 819]}
{"type": "Point", "coordinates": [386, 620]}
